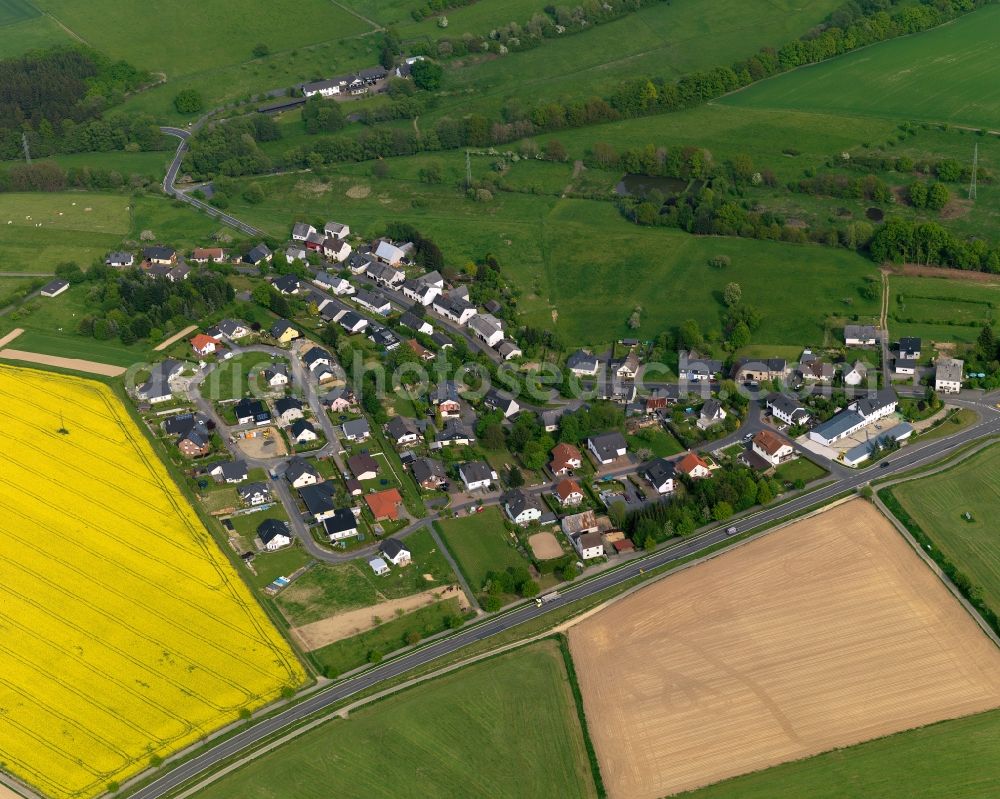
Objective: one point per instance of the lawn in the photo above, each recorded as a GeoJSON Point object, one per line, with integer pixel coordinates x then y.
{"type": "Point", "coordinates": [333, 588]}
{"type": "Point", "coordinates": [231, 379]}
{"type": "Point", "coordinates": [958, 759]}
{"type": "Point", "coordinates": [660, 442]}
{"type": "Point", "coordinates": [947, 74]}
{"type": "Point", "coordinates": [117, 588]}
{"type": "Point", "coordinates": [479, 731]}
{"type": "Point", "coordinates": [799, 469]}
{"type": "Point", "coordinates": [661, 40]}
{"type": "Point", "coordinates": [480, 544]}
{"type": "Point", "coordinates": [271, 565]}
{"type": "Point", "coordinates": [394, 633]}
{"type": "Point", "coordinates": [581, 267]}
{"type": "Point", "coordinates": [937, 503]}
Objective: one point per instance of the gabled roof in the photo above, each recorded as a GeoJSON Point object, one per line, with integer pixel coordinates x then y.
{"type": "Point", "coordinates": [400, 426]}
{"type": "Point", "coordinates": [361, 464]}
{"type": "Point", "coordinates": [248, 490]}
{"type": "Point", "coordinates": [689, 463]}
{"type": "Point", "coordinates": [297, 467]}
{"type": "Point", "coordinates": [909, 344]}
{"type": "Point", "coordinates": [340, 522]}
{"type": "Point", "coordinates": [769, 442]}
{"type": "Point", "coordinates": [249, 407]}
{"type": "Point", "coordinates": [300, 426]}
{"type": "Point", "coordinates": [356, 427]}
{"type": "Point", "coordinates": [232, 470]}
{"type": "Point", "coordinates": [607, 444]}
{"type": "Point", "coordinates": [280, 326]}
{"type": "Point", "coordinates": [659, 471]}
{"type": "Point", "coordinates": [518, 501]}
{"type": "Point", "coordinates": [318, 498]}
{"type": "Point", "coordinates": [286, 284]}
{"type": "Point", "coordinates": [562, 453]}
{"type": "Point", "coordinates": [385, 503]}
{"type": "Point", "coordinates": [866, 406]}
{"type": "Point", "coordinates": [567, 488]}
{"type": "Point", "coordinates": [287, 404]}
{"type": "Point", "coordinates": [475, 471]}
{"type": "Point", "coordinates": [391, 547]}
{"type": "Point", "coordinates": [582, 360]}
{"type": "Point", "coordinates": [269, 529]}
{"type": "Point", "coordinates": [315, 355]}
{"type": "Point", "coordinates": [425, 468]}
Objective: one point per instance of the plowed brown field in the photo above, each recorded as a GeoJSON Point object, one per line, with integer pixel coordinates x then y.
{"type": "Point", "coordinates": [829, 632]}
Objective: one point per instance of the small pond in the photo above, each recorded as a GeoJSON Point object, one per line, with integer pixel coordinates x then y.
{"type": "Point", "coordinates": [641, 185]}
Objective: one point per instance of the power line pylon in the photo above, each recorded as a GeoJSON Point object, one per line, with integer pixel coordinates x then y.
{"type": "Point", "coordinates": [975, 168]}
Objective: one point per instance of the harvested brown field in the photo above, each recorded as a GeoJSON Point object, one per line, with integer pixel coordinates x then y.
{"type": "Point", "coordinates": [545, 546]}
{"type": "Point", "coordinates": [823, 634]}
{"type": "Point", "coordinates": [78, 364]}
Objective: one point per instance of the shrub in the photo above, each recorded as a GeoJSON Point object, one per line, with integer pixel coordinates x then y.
{"type": "Point", "coordinates": [189, 101]}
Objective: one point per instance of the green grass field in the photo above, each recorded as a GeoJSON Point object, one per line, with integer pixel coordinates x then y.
{"type": "Point", "coordinates": [506, 728]}
{"type": "Point", "coordinates": [581, 267]}
{"type": "Point", "coordinates": [957, 759]}
{"type": "Point", "coordinates": [661, 443]}
{"type": "Point", "coordinates": [948, 74]}
{"type": "Point", "coordinates": [937, 503]}
{"type": "Point", "coordinates": [663, 40]}
{"type": "Point", "coordinates": [231, 379]}
{"type": "Point", "coordinates": [923, 306]}
{"type": "Point", "coordinates": [799, 469]}
{"type": "Point", "coordinates": [13, 11]}
{"type": "Point", "coordinates": [480, 544]}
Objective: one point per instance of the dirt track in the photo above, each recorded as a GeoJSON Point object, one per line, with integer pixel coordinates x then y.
{"type": "Point", "coordinates": [325, 631]}
{"type": "Point", "coordinates": [77, 364]}
{"type": "Point", "coordinates": [829, 632]}
{"type": "Point", "coordinates": [13, 334]}
{"type": "Point", "coordinates": [175, 337]}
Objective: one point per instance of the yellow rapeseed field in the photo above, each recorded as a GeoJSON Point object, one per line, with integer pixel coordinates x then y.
{"type": "Point", "coordinates": [125, 633]}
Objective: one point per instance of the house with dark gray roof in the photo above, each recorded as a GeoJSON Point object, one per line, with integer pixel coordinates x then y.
{"type": "Point", "coordinates": [607, 447]}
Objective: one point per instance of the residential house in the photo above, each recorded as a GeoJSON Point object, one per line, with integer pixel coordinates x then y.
{"type": "Point", "coordinates": [351, 322]}
{"type": "Point", "coordinates": [607, 447]}
{"type": "Point", "coordinates": [477, 474]}
{"type": "Point", "coordinates": [904, 367]}
{"type": "Point", "coordinates": [358, 263]}
{"type": "Point", "coordinates": [568, 493]}
{"type": "Point", "coordinates": [155, 270]}
{"type": "Point", "coordinates": [233, 329]}
{"type": "Point", "coordinates": [356, 429]}
{"type": "Point", "coordinates": [382, 336]}
{"type": "Point", "coordinates": [856, 375]}
{"type": "Point", "coordinates": [660, 398]}
{"type": "Point", "coordinates": [179, 273]}
{"type": "Point", "coordinates": [208, 255]}
{"type": "Point", "coordinates": [441, 340]}
{"type": "Point", "coordinates": [195, 443]}
{"type": "Point", "coordinates": [390, 253]}
{"type": "Point", "coordinates": [385, 275]}
{"type": "Point", "coordinates": [428, 473]}
{"type": "Point", "coordinates": [363, 466]}
{"type": "Point", "coordinates": [402, 431]}
{"type": "Point", "coordinates": [157, 388]}
{"type": "Point", "coordinates": [419, 350]}
{"type": "Point", "coordinates": [948, 375]}
{"type": "Point", "coordinates": [54, 288]}
{"type": "Point", "coordinates": [120, 260]}
{"type": "Point", "coordinates": [453, 307]}
{"type": "Point", "coordinates": [522, 508]}
{"type": "Point", "coordinates": [757, 371]}
{"type": "Point", "coordinates": [588, 545]}
{"type": "Point", "coordinates": [373, 301]}
{"type": "Point", "coordinates": [284, 332]}
{"type": "Point", "coordinates": [273, 534]}
{"type": "Point", "coordinates": [772, 447]}
{"type": "Point", "coordinates": [629, 368]}
{"type": "Point", "coordinates": [691, 465]}
{"type": "Point", "coordinates": [315, 357]}
{"type": "Point", "coordinates": [435, 279]}
{"type": "Point", "coordinates": [711, 414]}
{"type": "Point", "coordinates": [275, 375]}
{"type": "Point", "coordinates": [498, 401]}
{"type": "Point", "coordinates": [394, 552]}
{"type": "Point", "coordinates": [163, 256]}
{"type": "Point", "coordinates": [335, 230]}
{"type": "Point", "coordinates": [258, 255]}
{"type": "Point", "coordinates": [694, 368]}
{"type": "Point", "coordinates": [565, 459]}
{"type": "Point", "coordinates": [909, 348]}
{"type": "Point", "coordinates": [314, 241]}
{"type": "Point", "coordinates": [414, 322]}
{"type": "Point", "coordinates": [860, 335]}
{"type": "Point", "coordinates": [333, 283]}
{"type": "Point", "coordinates": [341, 524]}
{"type": "Point", "coordinates": [455, 433]}
{"type": "Point", "coordinates": [787, 408]}
{"type": "Point", "coordinates": [254, 494]}
{"type": "Point", "coordinates": [379, 566]}
{"type": "Point", "coordinates": [204, 345]}
{"type": "Point", "coordinates": [813, 369]}
{"type": "Point", "coordinates": [251, 411]}
{"type": "Point", "coordinates": [300, 473]}
{"type": "Point", "coordinates": [340, 400]}
{"type": "Point", "coordinates": [660, 473]}
{"type": "Point", "coordinates": [287, 284]}
{"type": "Point", "coordinates": [301, 231]}
{"type": "Point", "coordinates": [302, 432]}
{"type": "Point", "coordinates": [549, 420]}
{"type": "Point", "coordinates": [288, 409]}
{"type": "Point", "coordinates": [583, 364]}
{"type": "Point", "coordinates": [420, 292]}
{"type": "Point", "coordinates": [580, 523]}
{"type": "Point", "coordinates": [384, 504]}
{"type": "Point", "coordinates": [447, 400]}
{"type": "Point", "coordinates": [876, 406]}
{"type": "Point", "coordinates": [509, 350]}
{"type": "Point", "coordinates": [229, 471]}
{"type": "Point", "coordinates": [337, 249]}
{"type": "Point", "coordinates": [318, 499]}
{"type": "Point", "coordinates": [487, 328]}
{"type": "Point", "coordinates": [324, 88]}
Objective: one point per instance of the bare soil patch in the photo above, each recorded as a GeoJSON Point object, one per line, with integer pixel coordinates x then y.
{"type": "Point", "coordinates": [13, 334]}
{"type": "Point", "coordinates": [261, 446]}
{"type": "Point", "coordinates": [316, 188]}
{"type": "Point", "coordinates": [334, 628]}
{"type": "Point", "coordinates": [829, 632]}
{"type": "Point", "coordinates": [77, 364]}
{"type": "Point", "coordinates": [175, 337]}
{"type": "Point", "coordinates": [956, 208]}
{"type": "Point", "coordinates": [545, 546]}
{"type": "Point", "coordinates": [358, 192]}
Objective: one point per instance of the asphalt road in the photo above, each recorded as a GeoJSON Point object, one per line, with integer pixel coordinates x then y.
{"type": "Point", "coordinates": [914, 455]}
{"type": "Point", "coordinates": [170, 178]}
